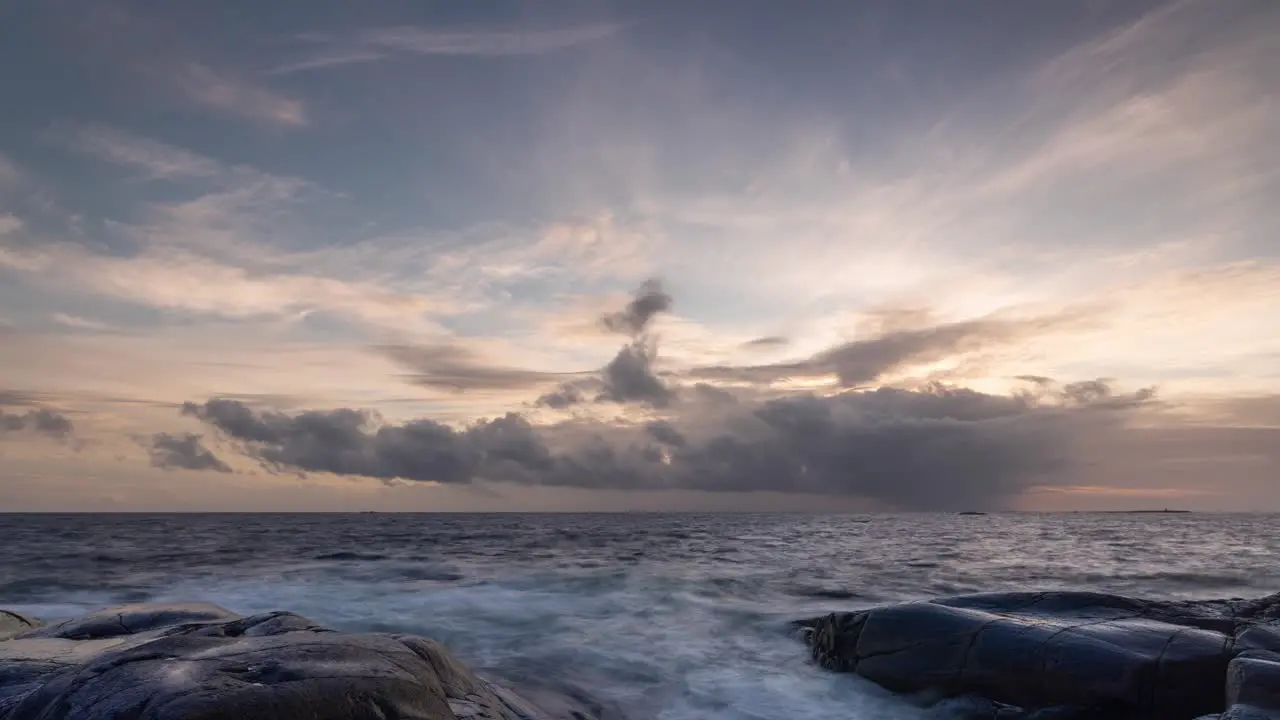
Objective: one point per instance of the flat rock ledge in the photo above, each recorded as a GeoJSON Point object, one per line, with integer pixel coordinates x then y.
{"type": "Point", "coordinates": [201, 662]}
{"type": "Point", "coordinates": [1065, 655]}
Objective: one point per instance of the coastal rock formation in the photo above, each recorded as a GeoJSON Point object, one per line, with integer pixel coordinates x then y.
{"type": "Point", "coordinates": [1066, 655]}
{"type": "Point", "coordinates": [201, 662]}
{"type": "Point", "coordinates": [11, 623]}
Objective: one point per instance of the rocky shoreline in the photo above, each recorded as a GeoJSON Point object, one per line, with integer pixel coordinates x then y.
{"type": "Point", "coordinates": [202, 662]}
{"type": "Point", "coordinates": [1065, 655]}
{"type": "Point", "coordinates": [1006, 656]}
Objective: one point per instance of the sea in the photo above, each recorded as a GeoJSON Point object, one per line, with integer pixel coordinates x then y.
{"type": "Point", "coordinates": [653, 616]}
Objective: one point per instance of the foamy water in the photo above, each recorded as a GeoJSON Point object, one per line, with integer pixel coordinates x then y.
{"type": "Point", "coordinates": [659, 616]}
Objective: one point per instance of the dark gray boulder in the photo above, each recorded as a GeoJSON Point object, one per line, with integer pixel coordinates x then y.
{"type": "Point", "coordinates": [1065, 654]}
{"type": "Point", "coordinates": [1253, 685]}
{"type": "Point", "coordinates": [201, 662]}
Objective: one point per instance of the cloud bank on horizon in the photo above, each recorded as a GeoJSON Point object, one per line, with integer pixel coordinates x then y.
{"type": "Point", "coordinates": [578, 256]}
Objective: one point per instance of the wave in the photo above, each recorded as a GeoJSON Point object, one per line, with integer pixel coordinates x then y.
{"type": "Point", "coordinates": [348, 555]}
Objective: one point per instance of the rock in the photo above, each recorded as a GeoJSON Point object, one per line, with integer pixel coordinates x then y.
{"type": "Point", "coordinates": [1247, 712]}
{"type": "Point", "coordinates": [966, 707]}
{"type": "Point", "coordinates": [1063, 654]}
{"type": "Point", "coordinates": [202, 662]}
{"type": "Point", "coordinates": [1253, 679]}
{"type": "Point", "coordinates": [11, 623]}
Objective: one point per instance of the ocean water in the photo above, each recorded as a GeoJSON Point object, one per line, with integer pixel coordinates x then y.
{"type": "Point", "coordinates": [670, 617]}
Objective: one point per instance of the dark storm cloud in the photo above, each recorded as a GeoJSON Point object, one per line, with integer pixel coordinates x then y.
{"type": "Point", "coordinates": [628, 378]}
{"type": "Point", "coordinates": [860, 362]}
{"type": "Point", "coordinates": [351, 442]}
{"type": "Point", "coordinates": [184, 451]}
{"type": "Point", "coordinates": [450, 367]}
{"type": "Point", "coordinates": [563, 397]}
{"type": "Point", "coordinates": [239, 420]}
{"type": "Point", "coordinates": [711, 395]}
{"type": "Point", "coordinates": [36, 419]}
{"type": "Point", "coordinates": [649, 300]}
{"type": "Point", "coordinates": [665, 433]}
{"type": "Point", "coordinates": [937, 448]}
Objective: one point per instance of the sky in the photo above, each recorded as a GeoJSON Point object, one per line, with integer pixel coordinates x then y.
{"type": "Point", "coordinates": [892, 255]}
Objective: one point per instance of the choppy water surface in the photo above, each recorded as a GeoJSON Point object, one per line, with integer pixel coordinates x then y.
{"type": "Point", "coordinates": [669, 616]}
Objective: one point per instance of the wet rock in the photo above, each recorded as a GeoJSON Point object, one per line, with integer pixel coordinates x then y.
{"type": "Point", "coordinates": [1247, 712]}
{"type": "Point", "coordinates": [966, 707]}
{"type": "Point", "coordinates": [11, 623]}
{"type": "Point", "coordinates": [1253, 680]}
{"type": "Point", "coordinates": [1062, 654]}
{"type": "Point", "coordinates": [202, 662]}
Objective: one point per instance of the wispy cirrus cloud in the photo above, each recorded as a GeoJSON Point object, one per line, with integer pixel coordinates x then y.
{"type": "Point", "coordinates": [374, 44]}
{"type": "Point", "coordinates": [177, 280]}
{"type": "Point", "coordinates": [156, 160]}
{"type": "Point", "coordinates": [203, 254]}
{"type": "Point", "coordinates": [458, 368]}
{"type": "Point", "coordinates": [10, 174]}
{"type": "Point", "coordinates": [167, 57]}
{"type": "Point", "coordinates": [236, 96]}
{"type": "Point", "coordinates": [209, 251]}
{"type": "Point", "coordinates": [76, 322]}
{"type": "Point", "coordinates": [10, 223]}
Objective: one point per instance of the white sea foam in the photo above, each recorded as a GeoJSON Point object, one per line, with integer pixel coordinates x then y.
{"type": "Point", "coordinates": [665, 617]}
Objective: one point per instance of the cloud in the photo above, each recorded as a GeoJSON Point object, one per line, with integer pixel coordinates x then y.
{"type": "Point", "coordinates": [179, 280]}
{"type": "Point", "coordinates": [374, 44]}
{"type": "Point", "coordinates": [1039, 380]}
{"type": "Point", "coordinates": [350, 442]}
{"type": "Point", "coordinates": [214, 251]}
{"type": "Point", "coordinates": [183, 451]}
{"type": "Point", "coordinates": [665, 433]}
{"type": "Point", "coordinates": [230, 95]}
{"type": "Point", "coordinates": [78, 323]}
{"type": "Point", "coordinates": [564, 397]}
{"type": "Point", "coordinates": [649, 300]}
{"type": "Point", "coordinates": [20, 398]}
{"type": "Point", "coordinates": [861, 362]}
{"type": "Point", "coordinates": [156, 160]}
{"type": "Point", "coordinates": [1108, 491]}
{"type": "Point", "coordinates": [938, 448]}
{"type": "Point", "coordinates": [452, 367]}
{"type": "Point", "coordinates": [902, 339]}
{"type": "Point", "coordinates": [766, 342]}
{"type": "Point", "coordinates": [629, 377]}
{"type": "Point", "coordinates": [10, 224]}
{"type": "Point", "coordinates": [166, 55]}
{"type": "Point", "coordinates": [10, 174]}
{"type": "Point", "coordinates": [39, 420]}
